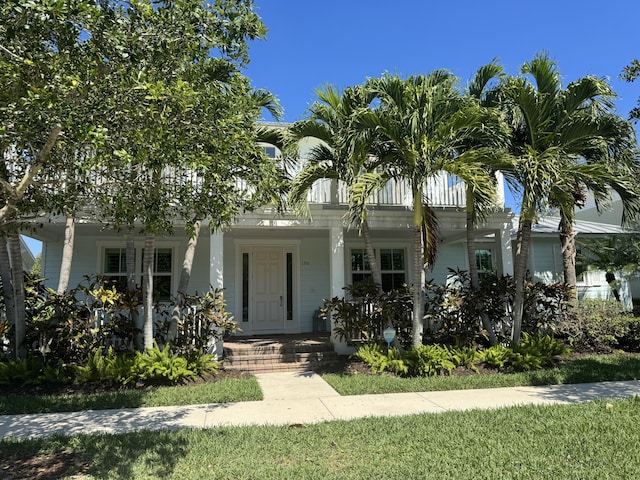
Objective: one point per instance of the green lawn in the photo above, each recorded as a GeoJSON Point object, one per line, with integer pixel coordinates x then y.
{"type": "Point", "coordinates": [587, 369]}
{"type": "Point", "coordinates": [223, 391]}
{"type": "Point", "coordinates": [593, 368]}
{"type": "Point", "coordinates": [595, 440]}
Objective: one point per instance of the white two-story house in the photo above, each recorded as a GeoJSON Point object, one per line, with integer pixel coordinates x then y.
{"type": "Point", "coordinates": [276, 270]}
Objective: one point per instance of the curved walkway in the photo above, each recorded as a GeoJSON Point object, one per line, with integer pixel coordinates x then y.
{"type": "Point", "coordinates": [303, 398]}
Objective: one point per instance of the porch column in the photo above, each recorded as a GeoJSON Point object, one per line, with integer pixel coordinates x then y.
{"type": "Point", "coordinates": [216, 260]}
{"type": "Point", "coordinates": [337, 280]}
{"type": "Point", "coordinates": [505, 249]}
{"type": "Point", "coordinates": [334, 194]}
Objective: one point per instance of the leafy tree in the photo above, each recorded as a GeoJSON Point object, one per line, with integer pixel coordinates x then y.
{"type": "Point", "coordinates": [182, 116]}
{"type": "Point", "coordinates": [630, 73]}
{"type": "Point", "coordinates": [44, 70]}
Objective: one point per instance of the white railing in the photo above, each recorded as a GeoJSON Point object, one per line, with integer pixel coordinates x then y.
{"type": "Point", "coordinates": [442, 191]}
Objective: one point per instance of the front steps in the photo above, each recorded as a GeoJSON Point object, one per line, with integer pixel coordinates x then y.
{"type": "Point", "coordinates": [279, 353]}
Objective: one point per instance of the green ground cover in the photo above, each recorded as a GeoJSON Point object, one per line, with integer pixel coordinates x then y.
{"type": "Point", "coordinates": [595, 440]}
{"type": "Point", "coordinates": [221, 391]}
{"type": "Point", "coordinates": [590, 368]}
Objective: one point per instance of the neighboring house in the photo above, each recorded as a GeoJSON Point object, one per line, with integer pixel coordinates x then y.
{"type": "Point", "coordinates": [545, 258]}
{"type": "Point", "coordinates": [277, 269]}
{"type": "Point", "coordinates": [28, 259]}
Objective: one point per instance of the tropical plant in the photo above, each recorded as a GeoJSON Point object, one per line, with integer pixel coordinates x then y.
{"type": "Point", "coordinates": [381, 359]}
{"type": "Point", "coordinates": [344, 153]}
{"type": "Point", "coordinates": [554, 130]}
{"type": "Point", "coordinates": [423, 124]}
{"type": "Point", "coordinates": [630, 74]}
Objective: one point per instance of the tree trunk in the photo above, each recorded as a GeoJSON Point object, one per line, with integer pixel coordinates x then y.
{"type": "Point", "coordinates": [371, 256]}
{"type": "Point", "coordinates": [130, 255]}
{"type": "Point", "coordinates": [67, 255]}
{"type": "Point", "coordinates": [7, 285]}
{"type": "Point", "coordinates": [18, 291]}
{"type": "Point", "coordinates": [418, 270]}
{"type": "Point", "coordinates": [474, 277]}
{"type": "Point", "coordinates": [187, 264]}
{"type": "Point", "coordinates": [15, 195]}
{"type": "Point", "coordinates": [520, 272]}
{"type": "Point", "coordinates": [185, 277]}
{"type": "Point", "coordinates": [147, 290]}
{"type": "Point", "coordinates": [568, 243]}
{"type": "Point", "coordinates": [471, 243]}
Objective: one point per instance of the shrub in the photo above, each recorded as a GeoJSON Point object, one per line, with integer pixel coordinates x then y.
{"type": "Point", "coordinates": [598, 326]}
{"type": "Point", "coordinates": [197, 321]}
{"type": "Point", "coordinates": [364, 313]}
{"type": "Point", "coordinates": [380, 361]}
{"type": "Point", "coordinates": [463, 356]}
{"type": "Point", "coordinates": [429, 361]}
{"type": "Point", "coordinates": [533, 353]}
{"type": "Point", "coordinates": [496, 356]}
{"type": "Point", "coordinates": [454, 311]}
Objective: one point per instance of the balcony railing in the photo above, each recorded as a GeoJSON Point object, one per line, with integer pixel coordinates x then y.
{"type": "Point", "coordinates": [442, 191]}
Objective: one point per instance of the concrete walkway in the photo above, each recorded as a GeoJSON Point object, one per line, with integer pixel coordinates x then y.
{"type": "Point", "coordinates": [303, 398]}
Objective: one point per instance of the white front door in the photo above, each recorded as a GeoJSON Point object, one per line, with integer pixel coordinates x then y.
{"type": "Point", "coordinates": [268, 288]}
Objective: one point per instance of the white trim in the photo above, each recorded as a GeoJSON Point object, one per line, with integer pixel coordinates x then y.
{"type": "Point", "coordinates": [216, 260]}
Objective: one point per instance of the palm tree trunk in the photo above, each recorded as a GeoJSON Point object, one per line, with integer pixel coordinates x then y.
{"type": "Point", "coordinates": [7, 285]}
{"type": "Point", "coordinates": [568, 243]}
{"type": "Point", "coordinates": [147, 290]}
{"type": "Point", "coordinates": [418, 270]}
{"type": "Point", "coordinates": [67, 255]}
{"type": "Point", "coordinates": [473, 268]}
{"type": "Point", "coordinates": [371, 256]}
{"type": "Point", "coordinates": [520, 271]}
{"type": "Point", "coordinates": [471, 242]}
{"type": "Point", "coordinates": [18, 292]}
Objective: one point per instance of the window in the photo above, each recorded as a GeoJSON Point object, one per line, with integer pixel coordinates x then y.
{"type": "Point", "coordinates": [391, 262]}
{"type": "Point", "coordinates": [269, 151]}
{"type": "Point", "coordinates": [392, 268]}
{"type": "Point", "coordinates": [162, 261]}
{"type": "Point", "coordinates": [115, 270]}
{"type": "Point", "coordinates": [484, 261]}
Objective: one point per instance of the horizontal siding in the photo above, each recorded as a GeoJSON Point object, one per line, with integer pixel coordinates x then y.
{"type": "Point", "coordinates": [314, 279]}
{"type": "Point", "coordinates": [545, 253]}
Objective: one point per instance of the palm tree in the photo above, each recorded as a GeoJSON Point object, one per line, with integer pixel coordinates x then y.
{"type": "Point", "coordinates": [554, 130]}
{"type": "Point", "coordinates": [479, 89]}
{"type": "Point", "coordinates": [344, 153]}
{"type": "Point", "coordinates": [611, 166]}
{"type": "Point", "coordinates": [424, 125]}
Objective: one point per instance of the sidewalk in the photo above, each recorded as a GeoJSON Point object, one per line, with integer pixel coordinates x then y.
{"type": "Point", "coordinates": [303, 398]}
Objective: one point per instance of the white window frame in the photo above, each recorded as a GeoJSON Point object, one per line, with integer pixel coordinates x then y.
{"type": "Point", "coordinates": [139, 246]}
{"type": "Point", "coordinates": [378, 252]}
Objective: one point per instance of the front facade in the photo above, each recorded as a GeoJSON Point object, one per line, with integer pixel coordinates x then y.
{"type": "Point", "coordinates": [277, 270]}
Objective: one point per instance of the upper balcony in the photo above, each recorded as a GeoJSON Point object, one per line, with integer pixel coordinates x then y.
{"type": "Point", "coordinates": [442, 191]}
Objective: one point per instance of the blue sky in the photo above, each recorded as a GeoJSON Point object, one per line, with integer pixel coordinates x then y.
{"type": "Point", "coordinates": [343, 42]}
